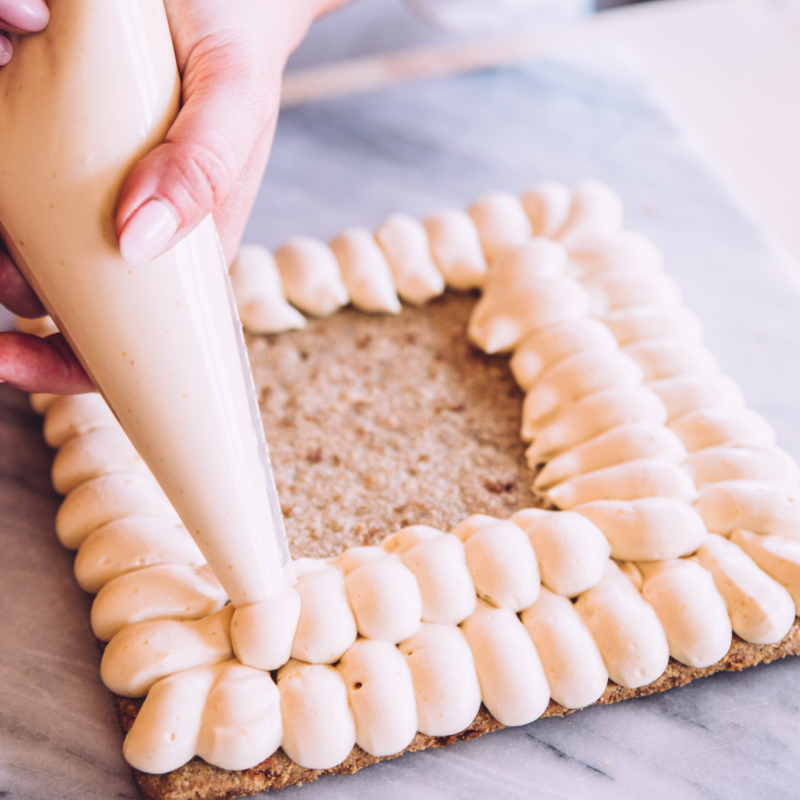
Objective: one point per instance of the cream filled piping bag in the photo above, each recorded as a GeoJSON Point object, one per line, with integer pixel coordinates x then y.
{"type": "Point", "coordinates": [80, 104]}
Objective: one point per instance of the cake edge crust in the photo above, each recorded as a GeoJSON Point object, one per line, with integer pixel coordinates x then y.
{"type": "Point", "coordinates": [198, 780]}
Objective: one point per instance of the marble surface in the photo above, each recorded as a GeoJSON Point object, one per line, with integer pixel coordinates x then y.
{"type": "Point", "coordinates": [413, 148]}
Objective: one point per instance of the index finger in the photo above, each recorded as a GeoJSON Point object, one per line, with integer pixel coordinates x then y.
{"type": "Point", "coordinates": [23, 16]}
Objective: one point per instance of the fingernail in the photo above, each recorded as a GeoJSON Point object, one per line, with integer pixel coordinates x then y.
{"type": "Point", "coordinates": [25, 15]}
{"type": "Point", "coordinates": [147, 232]}
{"type": "Point", "coordinates": [6, 50]}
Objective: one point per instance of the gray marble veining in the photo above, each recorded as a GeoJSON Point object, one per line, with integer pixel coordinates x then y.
{"type": "Point", "coordinates": [351, 161]}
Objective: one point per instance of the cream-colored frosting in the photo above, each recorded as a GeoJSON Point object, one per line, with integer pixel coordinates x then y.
{"type": "Point", "coordinates": [616, 290]}
{"type": "Point", "coordinates": [572, 662]}
{"type": "Point", "coordinates": [227, 713]}
{"type": "Point", "coordinates": [513, 684]}
{"type": "Point", "coordinates": [141, 654]}
{"type": "Point", "coordinates": [571, 551]}
{"type": "Point", "coordinates": [257, 287]}
{"type": "Point", "coordinates": [650, 529]}
{"type": "Point", "coordinates": [620, 252]}
{"type": "Point", "coordinates": [683, 394]}
{"type": "Point", "coordinates": [326, 627]}
{"type": "Point", "coordinates": [777, 556]}
{"type": "Point", "coordinates": [381, 695]}
{"type": "Point", "coordinates": [665, 358]}
{"type": "Point", "coordinates": [262, 633]}
{"type": "Point", "coordinates": [691, 610]}
{"type": "Point", "coordinates": [365, 271]}
{"type": "Point", "coordinates": [547, 205]}
{"type": "Point", "coordinates": [502, 564]}
{"type": "Point", "coordinates": [403, 540]}
{"type": "Point", "coordinates": [405, 245]}
{"type": "Point", "coordinates": [456, 249]}
{"type": "Point", "coordinates": [575, 377]}
{"type": "Point", "coordinates": [108, 498]}
{"type": "Point", "coordinates": [722, 425]}
{"type": "Point", "coordinates": [760, 609]}
{"type": "Point", "coordinates": [754, 505]}
{"type": "Point", "coordinates": [446, 688]}
{"type": "Point", "coordinates": [624, 443]}
{"type": "Point", "coordinates": [595, 210]}
{"type": "Point", "coordinates": [41, 401]}
{"type": "Point", "coordinates": [542, 349]}
{"type": "Point", "coordinates": [443, 577]}
{"type": "Point", "coordinates": [501, 222]}
{"type": "Point", "coordinates": [163, 591]}
{"type": "Point", "coordinates": [503, 317]}
{"type": "Point", "coordinates": [741, 462]}
{"type": "Point", "coordinates": [318, 727]}
{"type": "Point", "coordinates": [83, 102]}
{"type": "Point", "coordinates": [654, 322]}
{"type": "Point", "coordinates": [626, 629]}
{"type": "Point", "coordinates": [74, 414]}
{"type": "Point", "coordinates": [523, 264]}
{"type": "Point", "coordinates": [91, 455]}
{"type": "Point", "coordinates": [385, 599]}
{"type": "Point", "coordinates": [592, 415]}
{"type": "Point", "coordinates": [131, 543]}
{"type": "Point", "coordinates": [631, 480]}
{"type": "Point", "coordinates": [310, 276]}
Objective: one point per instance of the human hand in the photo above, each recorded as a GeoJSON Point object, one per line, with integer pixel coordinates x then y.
{"type": "Point", "coordinates": [231, 58]}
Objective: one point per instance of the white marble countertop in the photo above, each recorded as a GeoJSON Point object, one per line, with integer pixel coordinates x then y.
{"type": "Point", "coordinates": [414, 147]}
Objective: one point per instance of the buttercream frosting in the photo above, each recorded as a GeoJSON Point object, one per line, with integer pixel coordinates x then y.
{"type": "Point", "coordinates": [572, 662]}
{"type": "Point", "coordinates": [446, 688]}
{"type": "Point", "coordinates": [365, 271]}
{"type": "Point", "coordinates": [456, 249]}
{"type": "Point", "coordinates": [310, 276]}
{"type": "Point", "coordinates": [627, 631]}
{"type": "Point", "coordinates": [513, 684]}
{"type": "Point", "coordinates": [760, 609]}
{"type": "Point", "coordinates": [649, 529]}
{"type": "Point", "coordinates": [691, 610]}
{"type": "Point", "coordinates": [258, 290]}
{"type": "Point", "coordinates": [405, 245]}
{"type": "Point", "coordinates": [501, 222]}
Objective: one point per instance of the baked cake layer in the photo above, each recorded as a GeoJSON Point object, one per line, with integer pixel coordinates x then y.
{"type": "Point", "coordinates": [375, 423]}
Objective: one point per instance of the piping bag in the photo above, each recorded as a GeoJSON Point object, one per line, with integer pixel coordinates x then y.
{"type": "Point", "coordinates": [80, 104]}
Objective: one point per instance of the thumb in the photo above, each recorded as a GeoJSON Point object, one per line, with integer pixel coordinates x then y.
{"type": "Point", "coordinates": [230, 96]}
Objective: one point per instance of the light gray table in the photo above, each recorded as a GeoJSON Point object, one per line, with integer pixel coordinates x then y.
{"type": "Point", "coordinates": [413, 148]}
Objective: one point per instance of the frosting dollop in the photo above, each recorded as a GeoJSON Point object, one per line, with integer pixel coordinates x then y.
{"type": "Point", "coordinates": [256, 285]}
{"type": "Point", "coordinates": [405, 245]}
{"type": "Point", "coordinates": [513, 684]}
{"type": "Point", "coordinates": [631, 480]}
{"type": "Point", "coordinates": [572, 662]}
{"type": "Point", "coordinates": [318, 727]}
{"type": "Point", "coordinates": [626, 629]}
{"type": "Point", "coordinates": [365, 271]}
{"type": "Point", "coordinates": [570, 549]}
{"type": "Point", "coordinates": [262, 633]}
{"type": "Point", "coordinates": [501, 222]}
{"type": "Point", "coordinates": [691, 610]}
{"type": "Point", "coordinates": [650, 529]}
{"type": "Point", "coordinates": [141, 654]}
{"type": "Point", "coordinates": [616, 446]}
{"type": "Point", "coordinates": [310, 276]}
{"type": "Point", "coordinates": [456, 249]}
{"type": "Point", "coordinates": [445, 681]}
{"type": "Point", "coordinates": [760, 609]}
{"type": "Point", "coordinates": [754, 505]}
{"type": "Point", "coordinates": [381, 695]}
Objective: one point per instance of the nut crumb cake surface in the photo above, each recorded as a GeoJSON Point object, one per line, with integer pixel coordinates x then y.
{"type": "Point", "coordinates": [375, 423]}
